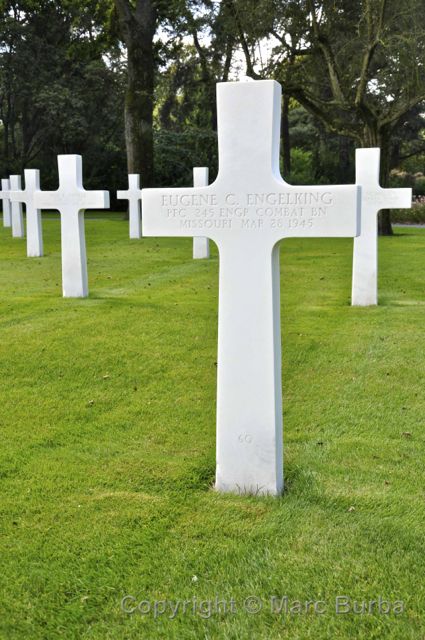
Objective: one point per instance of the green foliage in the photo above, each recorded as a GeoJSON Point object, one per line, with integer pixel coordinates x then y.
{"type": "Point", "coordinates": [177, 153]}
{"type": "Point", "coordinates": [62, 87]}
{"type": "Point", "coordinates": [303, 127]}
{"type": "Point", "coordinates": [415, 163]}
{"type": "Point", "coordinates": [404, 179]}
{"type": "Point", "coordinates": [61, 91]}
{"type": "Point", "coordinates": [401, 179]}
{"type": "Point", "coordinates": [419, 186]}
{"type": "Point", "coordinates": [415, 215]}
{"type": "Point", "coordinates": [302, 171]}
{"type": "Point", "coordinates": [331, 156]}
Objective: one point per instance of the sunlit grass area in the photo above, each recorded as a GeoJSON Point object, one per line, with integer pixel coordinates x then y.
{"type": "Point", "coordinates": [107, 424]}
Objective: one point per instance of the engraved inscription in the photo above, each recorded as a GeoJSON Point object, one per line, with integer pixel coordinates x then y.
{"type": "Point", "coordinates": [75, 199]}
{"type": "Point", "coordinates": [245, 438]}
{"type": "Point", "coordinates": [250, 211]}
{"type": "Point", "coordinates": [379, 198]}
{"type": "Point", "coordinates": [206, 224]}
{"type": "Point", "coordinates": [290, 198]}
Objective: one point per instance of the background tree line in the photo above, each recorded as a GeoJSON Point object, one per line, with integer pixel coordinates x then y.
{"type": "Point", "coordinates": [130, 84]}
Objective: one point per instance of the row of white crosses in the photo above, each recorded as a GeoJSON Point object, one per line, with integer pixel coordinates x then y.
{"type": "Point", "coordinates": [365, 251]}
{"type": "Point", "coordinates": [71, 200]}
{"type": "Point", "coordinates": [12, 211]}
{"type": "Point", "coordinates": [365, 254]}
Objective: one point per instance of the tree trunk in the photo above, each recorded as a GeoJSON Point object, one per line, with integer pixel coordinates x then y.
{"type": "Point", "coordinates": [344, 153]}
{"type": "Point", "coordinates": [395, 154]}
{"type": "Point", "coordinates": [138, 29]}
{"type": "Point", "coordinates": [286, 140]}
{"type": "Point", "coordinates": [139, 111]}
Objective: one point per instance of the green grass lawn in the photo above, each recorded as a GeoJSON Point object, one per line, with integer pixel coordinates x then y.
{"type": "Point", "coordinates": [107, 418]}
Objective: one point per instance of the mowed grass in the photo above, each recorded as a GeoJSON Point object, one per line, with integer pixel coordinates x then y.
{"type": "Point", "coordinates": [107, 418]}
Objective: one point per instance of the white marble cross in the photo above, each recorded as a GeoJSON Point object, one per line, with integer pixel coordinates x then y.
{"type": "Point", "coordinates": [373, 198]}
{"type": "Point", "coordinates": [134, 196]}
{"type": "Point", "coordinates": [4, 195]}
{"type": "Point", "coordinates": [247, 211]}
{"type": "Point", "coordinates": [71, 200]}
{"type": "Point", "coordinates": [33, 215]}
{"type": "Point", "coordinates": [18, 227]}
{"type": "Point", "coordinates": [201, 244]}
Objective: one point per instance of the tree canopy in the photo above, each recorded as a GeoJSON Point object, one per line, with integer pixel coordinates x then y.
{"type": "Point", "coordinates": [130, 84]}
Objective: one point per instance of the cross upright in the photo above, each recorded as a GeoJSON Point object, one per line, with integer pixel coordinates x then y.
{"type": "Point", "coordinates": [134, 196]}
{"type": "Point", "coordinates": [4, 196]}
{"type": "Point", "coordinates": [33, 215]}
{"type": "Point", "coordinates": [201, 245]}
{"type": "Point", "coordinates": [18, 227]}
{"type": "Point", "coordinates": [71, 200]}
{"type": "Point", "coordinates": [373, 198]}
{"type": "Point", "coordinates": [246, 212]}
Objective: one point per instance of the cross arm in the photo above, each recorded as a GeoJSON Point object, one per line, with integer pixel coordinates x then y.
{"type": "Point", "coordinates": [21, 196]}
{"type": "Point", "coordinates": [96, 199]}
{"type": "Point", "coordinates": [273, 208]}
{"type": "Point", "coordinates": [367, 175]}
{"type": "Point", "coordinates": [78, 199]}
{"type": "Point", "coordinates": [391, 198]}
{"type": "Point", "coordinates": [46, 199]}
{"type": "Point", "coordinates": [32, 184]}
{"type": "Point", "coordinates": [133, 190]}
{"type": "Point", "coordinates": [130, 194]}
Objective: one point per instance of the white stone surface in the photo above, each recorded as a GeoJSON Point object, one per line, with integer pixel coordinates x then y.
{"type": "Point", "coordinates": [373, 198]}
{"type": "Point", "coordinates": [4, 196]}
{"type": "Point", "coordinates": [201, 244]}
{"type": "Point", "coordinates": [33, 215]}
{"type": "Point", "coordinates": [247, 211]}
{"type": "Point", "coordinates": [71, 200]}
{"type": "Point", "coordinates": [18, 227]}
{"type": "Point", "coordinates": [134, 197]}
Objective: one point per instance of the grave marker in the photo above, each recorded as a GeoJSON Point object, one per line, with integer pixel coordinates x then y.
{"type": "Point", "coordinates": [18, 227]}
{"type": "Point", "coordinates": [373, 198]}
{"type": "Point", "coordinates": [71, 200]}
{"type": "Point", "coordinates": [247, 211]}
{"type": "Point", "coordinates": [134, 196]}
{"type": "Point", "coordinates": [201, 245]}
{"type": "Point", "coordinates": [4, 195]}
{"type": "Point", "coordinates": [33, 215]}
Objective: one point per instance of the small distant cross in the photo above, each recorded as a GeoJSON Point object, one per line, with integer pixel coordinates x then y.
{"type": "Point", "coordinates": [4, 195]}
{"type": "Point", "coordinates": [18, 227]}
{"type": "Point", "coordinates": [71, 200]}
{"type": "Point", "coordinates": [373, 198]}
{"type": "Point", "coordinates": [134, 197]}
{"type": "Point", "coordinates": [33, 215]}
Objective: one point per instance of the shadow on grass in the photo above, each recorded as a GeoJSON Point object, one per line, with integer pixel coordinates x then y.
{"type": "Point", "coordinates": [298, 481]}
{"type": "Point", "coordinates": [201, 476]}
